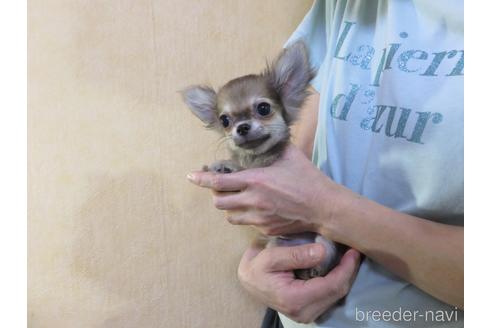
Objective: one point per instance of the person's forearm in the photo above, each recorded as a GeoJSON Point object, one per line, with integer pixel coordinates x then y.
{"type": "Point", "coordinates": [425, 253]}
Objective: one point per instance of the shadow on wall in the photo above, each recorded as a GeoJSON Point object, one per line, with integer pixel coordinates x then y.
{"type": "Point", "coordinates": [118, 232]}
{"type": "Point", "coordinates": [118, 245]}
{"type": "Point", "coordinates": [130, 242]}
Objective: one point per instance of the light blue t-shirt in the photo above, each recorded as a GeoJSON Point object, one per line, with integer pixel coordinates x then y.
{"type": "Point", "coordinates": [390, 127]}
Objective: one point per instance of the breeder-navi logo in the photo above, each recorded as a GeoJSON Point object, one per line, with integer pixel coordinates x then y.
{"type": "Point", "coordinates": [401, 315]}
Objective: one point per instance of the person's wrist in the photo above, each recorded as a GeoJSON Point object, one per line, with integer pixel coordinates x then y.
{"type": "Point", "coordinates": [334, 208]}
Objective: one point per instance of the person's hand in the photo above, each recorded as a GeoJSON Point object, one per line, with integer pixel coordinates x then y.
{"type": "Point", "coordinates": [267, 275]}
{"type": "Point", "coordinates": [291, 195]}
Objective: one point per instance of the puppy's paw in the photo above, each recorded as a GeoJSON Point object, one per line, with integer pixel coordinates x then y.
{"type": "Point", "coordinates": [306, 274]}
{"type": "Point", "coordinates": [225, 166]}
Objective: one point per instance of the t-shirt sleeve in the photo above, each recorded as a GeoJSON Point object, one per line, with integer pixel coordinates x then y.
{"type": "Point", "coordinates": [313, 31]}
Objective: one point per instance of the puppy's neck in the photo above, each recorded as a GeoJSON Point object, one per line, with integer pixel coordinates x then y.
{"type": "Point", "coordinates": [249, 161]}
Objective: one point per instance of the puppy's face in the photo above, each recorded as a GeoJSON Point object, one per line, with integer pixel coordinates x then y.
{"type": "Point", "coordinates": [250, 115]}
{"type": "Point", "coordinates": [254, 111]}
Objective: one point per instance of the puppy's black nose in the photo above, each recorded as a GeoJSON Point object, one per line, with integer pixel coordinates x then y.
{"type": "Point", "coordinates": [243, 129]}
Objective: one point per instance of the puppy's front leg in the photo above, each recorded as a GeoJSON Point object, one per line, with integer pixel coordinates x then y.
{"type": "Point", "coordinates": [224, 166]}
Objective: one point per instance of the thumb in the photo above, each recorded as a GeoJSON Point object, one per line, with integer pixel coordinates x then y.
{"type": "Point", "coordinates": [290, 258]}
{"type": "Point", "coordinates": [251, 252]}
{"type": "Point", "coordinates": [336, 283]}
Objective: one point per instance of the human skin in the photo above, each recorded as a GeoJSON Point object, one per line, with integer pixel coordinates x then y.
{"type": "Point", "coordinates": [424, 253]}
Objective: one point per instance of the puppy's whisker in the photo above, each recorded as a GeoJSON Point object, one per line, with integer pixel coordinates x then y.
{"type": "Point", "coordinates": [220, 143]}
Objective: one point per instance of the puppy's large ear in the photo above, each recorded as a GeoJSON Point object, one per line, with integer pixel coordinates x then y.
{"type": "Point", "coordinates": [202, 101]}
{"type": "Point", "coordinates": [290, 75]}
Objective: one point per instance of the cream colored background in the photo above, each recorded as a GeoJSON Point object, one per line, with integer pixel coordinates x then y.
{"type": "Point", "coordinates": [117, 236]}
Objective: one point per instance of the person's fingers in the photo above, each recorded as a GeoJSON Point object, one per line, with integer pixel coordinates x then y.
{"type": "Point", "coordinates": [337, 282]}
{"type": "Point", "coordinates": [290, 227]}
{"type": "Point", "coordinates": [253, 218]}
{"type": "Point", "coordinates": [290, 258]}
{"type": "Point", "coordinates": [348, 266]}
{"type": "Point", "coordinates": [232, 201]}
{"type": "Point", "coordinates": [243, 218]}
{"type": "Point", "coordinates": [218, 182]}
{"type": "Point", "coordinates": [223, 193]}
{"type": "Point", "coordinates": [251, 252]}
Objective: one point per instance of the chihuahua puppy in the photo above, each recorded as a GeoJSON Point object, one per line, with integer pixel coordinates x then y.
{"type": "Point", "coordinates": [254, 113]}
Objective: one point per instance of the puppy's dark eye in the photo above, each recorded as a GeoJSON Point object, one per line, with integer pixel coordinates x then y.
{"type": "Point", "coordinates": [224, 120]}
{"type": "Point", "coordinates": [263, 109]}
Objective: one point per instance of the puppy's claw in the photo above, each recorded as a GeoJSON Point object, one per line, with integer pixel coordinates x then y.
{"type": "Point", "coordinates": [224, 167]}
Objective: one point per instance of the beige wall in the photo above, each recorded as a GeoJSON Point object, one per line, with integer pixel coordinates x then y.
{"type": "Point", "coordinates": [117, 237]}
